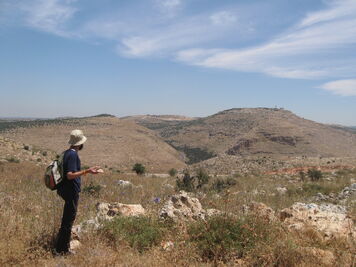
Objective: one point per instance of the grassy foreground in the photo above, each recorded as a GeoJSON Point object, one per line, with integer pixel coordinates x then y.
{"type": "Point", "coordinates": [30, 215]}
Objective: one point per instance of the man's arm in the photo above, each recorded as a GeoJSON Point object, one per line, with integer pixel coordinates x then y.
{"type": "Point", "coordinates": [73, 175]}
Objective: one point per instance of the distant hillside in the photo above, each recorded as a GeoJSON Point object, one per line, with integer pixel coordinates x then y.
{"type": "Point", "coordinates": [157, 122]}
{"type": "Point", "coordinates": [111, 141]}
{"type": "Point", "coordinates": [351, 129]}
{"type": "Point", "coordinates": [256, 132]}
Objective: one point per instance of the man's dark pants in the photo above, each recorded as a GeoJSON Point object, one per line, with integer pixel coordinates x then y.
{"type": "Point", "coordinates": [69, 213]}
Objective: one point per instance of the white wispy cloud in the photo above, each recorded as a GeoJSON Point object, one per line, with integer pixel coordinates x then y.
{"type": "Point", "coordinates": [223, 18]}
{"type": "Point", "coordinates": [322, 44]}
{"type": "Point", "coordinates": [169, 3]}
{"type": "Point", "coordinates": [167, 40]}
{"type": "Point", "coordinates": [341, 87]}
{"type": "Point", "coordinates": [49, 15]}
{"type": "Point", "coordinates": [300, 52]}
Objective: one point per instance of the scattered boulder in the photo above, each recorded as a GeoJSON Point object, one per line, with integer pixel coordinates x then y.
{"type": "Point", "coordinates": [184, 207]}
{"type": "Point", "coordinates": [74, 244]}
{"type": "Point", "coordinates": [261, 210]}
{"type": "Point", "coordinates": [330, 220]}
{"type": "Point", "coordinates": [124, 183]}
{"type": "Point", "coordinates": [167, 245]}
{"type": "Point", "coordinates": [281, 190]}
{"type": "Point", "coordinates": [106, 211]}
{"type": "Point", "coordinates": [346, 193]}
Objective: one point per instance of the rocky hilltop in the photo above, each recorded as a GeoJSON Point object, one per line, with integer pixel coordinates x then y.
{"type": "Point", "coordinates": [275, 133]}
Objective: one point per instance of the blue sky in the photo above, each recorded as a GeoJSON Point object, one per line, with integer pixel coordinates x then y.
{"type": "Point", "coordinates": [188, 57]}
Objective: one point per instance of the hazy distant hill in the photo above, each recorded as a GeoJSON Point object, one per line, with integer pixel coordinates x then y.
{"type": "Point", "coordinates": [255, 131]}
{"type": "Point", "coordinates": [111, 141]}
{"type": "Point", "coordinates": [351, 129]}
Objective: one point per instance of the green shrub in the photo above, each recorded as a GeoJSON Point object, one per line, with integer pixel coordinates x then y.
{"type": "Point", "coordinates": [92, 189]}
{"type": "Point", "coordinates": [314, 174]}
{"type": "Point", "coordinates": [186, 183]}
{"type": "Point", "coordinates": [223, 237]}
{"type": "Point", "coordinates": [191, 183]}
{"type": "Point", "coordinates": [140, 233]}
{"type": "Point", "coordinates": [139, 169]}
{"type": "Point", "coordinates": [222, 184]}
{"type": "Point", "coordinates": [172, 172]}
{"type": "Point", "coordinates": [202, 178]}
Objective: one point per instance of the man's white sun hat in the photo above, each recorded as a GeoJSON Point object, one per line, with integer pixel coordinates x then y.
{"type": "Point", "coordinates": [77, 138]}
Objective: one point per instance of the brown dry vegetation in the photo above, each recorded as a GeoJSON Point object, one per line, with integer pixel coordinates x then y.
{"type": "Point", "coordinates": [30, 216]}
{"type": "Point", "coordinates": [111, 142]}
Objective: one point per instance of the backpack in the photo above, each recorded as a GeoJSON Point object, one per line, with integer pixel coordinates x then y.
{"type": "Point", "coordinates": [54, 173]}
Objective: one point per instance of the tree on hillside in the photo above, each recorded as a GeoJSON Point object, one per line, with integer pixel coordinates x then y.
{"type": "Point", "coordinates": [139, 169]}
{"type": "Point", "coordinates": [172, 172]}
{"type": "Point", "coordinates": [314, 174]}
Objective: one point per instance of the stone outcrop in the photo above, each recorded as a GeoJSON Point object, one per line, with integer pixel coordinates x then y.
{"type": "Point", "coordinates": [261, 210]}
{"type": "Point", "coordinates": [184, 207]}
{"type": "Point", "coordinates": [328, 219]}
{"type": "Point", "coordinates": [345, 194]}
{"type": "Point", "coordinates": [107, 212]}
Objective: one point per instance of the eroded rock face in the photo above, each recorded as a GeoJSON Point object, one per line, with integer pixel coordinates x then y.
{"type": "Point", "coordinates": [182, 206]}
{"type": "Point", "coordinates": [330, 220]}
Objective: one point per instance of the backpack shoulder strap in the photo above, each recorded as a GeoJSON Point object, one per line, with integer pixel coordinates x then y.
{"type": "Point", "coordinates": [60, 162]}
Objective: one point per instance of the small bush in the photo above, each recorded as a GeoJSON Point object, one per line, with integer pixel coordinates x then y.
{"type": "Point", "coordinates": [223, 237]}
{"type": "Point", "coordinates": [192, 183]}
{"type": "Point", "coordinates": [222, 184]}
{"type": "Point", "coordinates": [26, 147]}
{"type": "Point", "coordinates": [140, 233]}
{"type": "Point", "coordinates": [139, 169]}
{"type": "Point", "coordinates": [92, 189]}
{"type": "Point", "coordinates": [44, 153]}
{"type": "Point", "coordinates": [186, 184]}
{"type": "Point", "coordinates": [202, 178]}
{"type": "Point", "coordinates": [314, 174]}
{"type": "Point", "coordinates": [172, 172]}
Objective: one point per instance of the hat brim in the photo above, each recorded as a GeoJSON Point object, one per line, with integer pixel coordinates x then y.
{"type": "Point", "coordinates": [82, 141]}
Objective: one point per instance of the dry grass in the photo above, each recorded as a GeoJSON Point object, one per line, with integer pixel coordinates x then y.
{"type": "Point", "coordinates": [111, 141]}
{"type": "Point", "coordinates": [30, 216]}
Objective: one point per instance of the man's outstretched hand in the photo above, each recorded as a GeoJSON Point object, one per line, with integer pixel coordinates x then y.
{"type": "Point", "coordinates": [95, 170]}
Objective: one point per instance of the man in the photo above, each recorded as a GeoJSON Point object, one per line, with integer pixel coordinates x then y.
{"type": "Point", "coordinates": [69, 189]}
